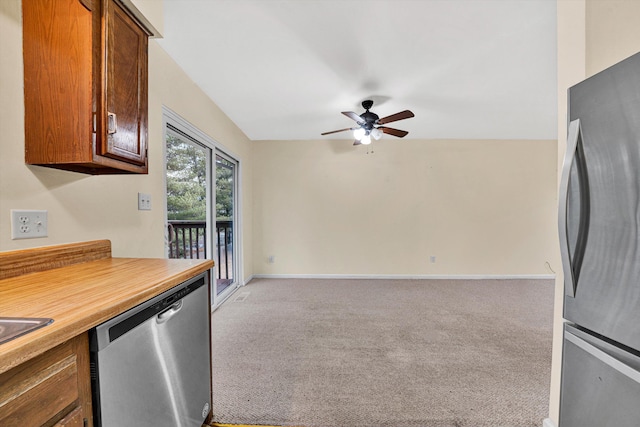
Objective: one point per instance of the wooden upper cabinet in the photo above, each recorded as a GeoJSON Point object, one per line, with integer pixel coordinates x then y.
{"type": "Point", "coordinates": [85, 78]}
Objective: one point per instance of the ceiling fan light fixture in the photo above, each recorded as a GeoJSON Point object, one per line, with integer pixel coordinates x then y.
{"type": "Point", "coordinates": [369, 124]}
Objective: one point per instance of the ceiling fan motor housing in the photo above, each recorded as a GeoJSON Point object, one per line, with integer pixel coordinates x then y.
{"type": "Point", "coordinates": [368, 117]}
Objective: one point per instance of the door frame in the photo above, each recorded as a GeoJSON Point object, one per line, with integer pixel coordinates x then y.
{"type": "Point", "coordinates": [180, 123]}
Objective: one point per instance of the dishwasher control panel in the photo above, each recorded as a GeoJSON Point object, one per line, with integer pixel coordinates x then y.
{"type": "Point", "coordinates": [156, 308]}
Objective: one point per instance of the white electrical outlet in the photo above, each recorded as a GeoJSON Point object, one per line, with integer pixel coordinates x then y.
{"type": "Point", "coordinates": [144, 202]}
{"type": "Point", "coordinates": [432, 258]}
{"type": "Point", "coordinates": [28, 224]}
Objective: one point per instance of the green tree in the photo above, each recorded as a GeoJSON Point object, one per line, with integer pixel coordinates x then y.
{"type": "Point", "coordinates": [186, 181]}
{"type": "Point", "coordinates": [224, 189]}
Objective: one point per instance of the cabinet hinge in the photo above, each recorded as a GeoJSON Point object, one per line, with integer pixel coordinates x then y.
{"type": "Point", "coordinates": [87, 4]}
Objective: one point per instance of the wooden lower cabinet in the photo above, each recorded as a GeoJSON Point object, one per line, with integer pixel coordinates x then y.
{"type": "Point", "coordinates": [53, 389]}
{"type": "Point", "coordinates": [74, 419]}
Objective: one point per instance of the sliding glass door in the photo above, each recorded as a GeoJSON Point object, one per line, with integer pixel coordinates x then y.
{"type": "Point", "coordinates": [201, 194]}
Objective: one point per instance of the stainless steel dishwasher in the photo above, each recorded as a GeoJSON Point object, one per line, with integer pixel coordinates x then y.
{"type": "Point", "coordinates": [151, 365]}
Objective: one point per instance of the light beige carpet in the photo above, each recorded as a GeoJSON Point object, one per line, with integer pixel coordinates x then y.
{"type": "Point", "coordinates": [429, 353]}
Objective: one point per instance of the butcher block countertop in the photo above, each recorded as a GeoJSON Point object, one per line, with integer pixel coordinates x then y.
{"type": "Point", "coordinates": [79, 286]}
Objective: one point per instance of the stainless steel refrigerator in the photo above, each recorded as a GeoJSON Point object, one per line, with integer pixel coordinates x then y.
{"type": "Point", "coordinates": [599, 224]}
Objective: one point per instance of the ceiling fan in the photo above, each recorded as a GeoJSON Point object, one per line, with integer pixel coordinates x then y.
{"type": "Point", "coordinates": [369, 124]}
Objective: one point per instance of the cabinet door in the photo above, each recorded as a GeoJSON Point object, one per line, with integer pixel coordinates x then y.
{"type": "Point", "coordinates": [126, 87]}
{"type": "Point", "coordinates": [53, 386]}
{"type": "Point", "coordinates": [57, 81]}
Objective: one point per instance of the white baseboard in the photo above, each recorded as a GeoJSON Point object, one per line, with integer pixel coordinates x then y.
{"type": "Point", "coordinates": [406, 277]}
{"type": "Point", "coordinates": [548, 423]}
{"type": "Point", "coordinates": [248, 280]}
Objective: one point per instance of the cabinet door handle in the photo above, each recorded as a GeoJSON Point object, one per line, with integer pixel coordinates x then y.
{"type": "Point", "coordinates": [112, 123]}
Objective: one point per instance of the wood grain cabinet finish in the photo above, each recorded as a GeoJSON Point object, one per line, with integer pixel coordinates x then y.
{"type": "Point", "coordinates": [53, 389]}
{"type": "Point", "coordinates": [74, 419]}
{"type": "Point", "coordinates": [85, 78]}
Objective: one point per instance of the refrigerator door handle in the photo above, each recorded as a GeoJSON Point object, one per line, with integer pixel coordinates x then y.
{"type": "Point", "coordinates": [574, 154]}
{"type": "Point", "coordinates": [604, 357]}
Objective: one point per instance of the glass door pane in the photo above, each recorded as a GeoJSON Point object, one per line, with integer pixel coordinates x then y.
{"type": "Point", "coordinates": [226, 265]}
{"type": "Point", "coordinates": [188, 197]}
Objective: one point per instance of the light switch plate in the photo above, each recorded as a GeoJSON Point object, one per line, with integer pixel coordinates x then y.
{"type": "Point", "coordinates": [28, 224]}
{"type": "Point", "coordinates": [144, 202]}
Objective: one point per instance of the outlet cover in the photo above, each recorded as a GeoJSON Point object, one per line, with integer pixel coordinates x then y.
{"type": "Point", "coordinates": [28, 224]}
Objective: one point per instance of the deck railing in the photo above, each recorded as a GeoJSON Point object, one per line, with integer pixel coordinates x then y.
{"type": "Point", "coordinates": [188, 239]}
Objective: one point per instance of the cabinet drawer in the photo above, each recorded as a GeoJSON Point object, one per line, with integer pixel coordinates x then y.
{"type": "Point", "coordinates": [40, 390]}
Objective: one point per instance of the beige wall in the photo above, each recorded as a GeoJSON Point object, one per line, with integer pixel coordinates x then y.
{"type": "Point", "coordinates": [83, 207]}
{"type": "Point", "coordinates": [479, 207]}
{"type": "Point", "coordinates": [612, 32]}
{"type": "Point", "coordinates": [592, 35]}
{"type": "Point", "coordinates": [151, 10]}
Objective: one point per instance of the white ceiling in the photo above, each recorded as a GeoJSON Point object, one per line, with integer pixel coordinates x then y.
{"type": "Point", "coordinates": [285, 69]}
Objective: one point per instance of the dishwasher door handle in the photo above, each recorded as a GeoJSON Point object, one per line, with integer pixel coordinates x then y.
{"type": "Point", "coordinates": [169, 313]}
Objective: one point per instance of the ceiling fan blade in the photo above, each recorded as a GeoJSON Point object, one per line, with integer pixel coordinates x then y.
{"type": "Point", "coordinates": [353, 116]}
{"type": "Point", "coordinates": [395, 132]}
{"type": "Point", "coordinates": [406, 114]}
{"type": "Point", "coordinates": [336, 131]}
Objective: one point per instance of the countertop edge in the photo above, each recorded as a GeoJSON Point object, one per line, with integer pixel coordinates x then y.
{"type": "Point", "coordinates": [65, 327]}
